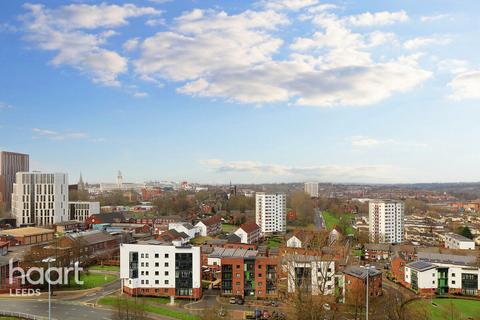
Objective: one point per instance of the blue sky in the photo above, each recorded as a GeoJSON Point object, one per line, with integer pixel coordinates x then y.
{"type": "Point", "coordinates": [247, 91]}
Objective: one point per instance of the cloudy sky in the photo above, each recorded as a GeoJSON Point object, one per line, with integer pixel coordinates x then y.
{"type": "Point", "coordinates": [247, 91]}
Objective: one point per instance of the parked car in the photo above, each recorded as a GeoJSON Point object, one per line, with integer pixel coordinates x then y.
{"type": "Point", "coordinates": [240, 300]}
{"type": "Point", "coordinates": [233, 300]}
{"type": "Point", "coordinates": [274, 303]}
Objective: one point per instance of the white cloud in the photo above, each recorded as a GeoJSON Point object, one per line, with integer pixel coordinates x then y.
{"type": "Point", "coordinates": [434, 17]}
{"type": "Point", "coordinates": [465, 85]}
{"type": "Point", "coordinates": [288, 4]}
{"type": "Point", "coordinates": [213, 54]}
{"type": "Point", "coordinates": [156, 22]}
{"type": "Point", "coordinates": [453, 65]}
{"type": "Point", "coordinates": [208, 42]}
{"type": "Point", "coordinates": [140, 94]}
{"type": "Point", "coordinates": [4, 105]}
{"type": "Point", "coordinates": [131, 44]}
{"type": "Point", "coordinates": [54, 135]}
{"type": "Point", "coordinates": [62, 30]}
{"type": "Point", "coordinates": [367, 142]}
{"type": "Point", "coordinates": [419, 42]}
{"type": "Point", "coordinates": [383, 18]}
{"type": "Point", "coordinates": [334, 173]}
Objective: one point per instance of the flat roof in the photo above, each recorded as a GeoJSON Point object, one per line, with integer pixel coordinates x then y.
{"type": "Point", "coordinates": [231, 252]}
{"type": "Point", "coordinates": [27, 231]}
{"type": "Point", "coordinates": [421, 265]}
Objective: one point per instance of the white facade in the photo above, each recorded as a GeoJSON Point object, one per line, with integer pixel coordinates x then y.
{"type": "Point", "coordinates": [294, 242]}
{"type": "Point", "coordinates": [386, 223]}
{"type": "Point", "coordinates": [425, 279]}
{"type": "Point", "coordinates": [152, 266]}
{"type": "Point", "coordinates": [456, 241]}
{"type": "Point", "coordinates": [201, 229]}
{"type": "Point", "coordinates": [40, 199]}
{"type": "Point", "coordinates": [319, 274]}
{"type": "Point", "coordinates": [81, 210]}
{"type": "Point", "coordinates": [312, 189]}
{"type": "Point", "coordinates": [271, 212]}
{"type": "Point", "coordinates": [186, 227]}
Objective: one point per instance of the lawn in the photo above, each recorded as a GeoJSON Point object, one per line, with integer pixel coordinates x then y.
{"type": "Point", "coordinates": [91, 280]}
{"type": "Point", "coordinates": [200, 240]}
{"type": "Point", "coordinates": [274, 242]}
{"type": "Point", "coordinates": [463, 308]}
{"type": "Point", "coordinates": [104, 268]}
{"type": "Point", "coordinates": [112, 301]}
{"type": "Point", "coordinates": [332, 220]}
{"type": "Point", "coordinates": [227, 228]}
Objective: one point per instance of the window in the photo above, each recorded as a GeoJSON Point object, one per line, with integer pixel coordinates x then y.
{"type": "Point", "coordinates": [238, 275]}
{"type": "Point", "coordinates": [259, 275]}
{"type": "Point", "coordinates": [157, 281]}
{"type": "Point", "coordinates": [453, 274]}
{"type": "Point", "coordinates": [259, 283]}
{"type": "Point", "coordinates": [237, 283]}
{"type": "Point", "coordinates": [157, 255]}
{"type": "Point", "coordinates": [166, 264]}
{"type": "Point", "coordinates": [166, 281]}
{"type": "Point", "coordinates": [157, 273]}
{"type": "Point", "coordinates": [166, 273]}
{"type": "Point", "coordinates": [453, 281]}
{"type": "Point", "coordinates": [157, 264]}
{"type": "Point", "coordinates": [238, 266]}
{"type": "Point", "coordinates": [166, 255]}
{"type": "Point", "coordinates": [141, 256]}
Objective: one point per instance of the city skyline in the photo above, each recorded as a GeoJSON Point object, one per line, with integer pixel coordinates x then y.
{"type": "Point", "coordinates": [260, 91]}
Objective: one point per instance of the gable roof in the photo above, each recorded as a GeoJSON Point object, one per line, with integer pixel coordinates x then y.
{"type": "Point", "coordinates": [212, 220]}
{"type": "Point", "coordinates": [249, 227]}
{"type": "Point", "coordinates": [92, 237]}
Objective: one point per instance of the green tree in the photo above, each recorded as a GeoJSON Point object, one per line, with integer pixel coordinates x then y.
{"type": "Point", "coordinates": [303, 205]}
{"type": "Point", "coordinates": [465, 231]}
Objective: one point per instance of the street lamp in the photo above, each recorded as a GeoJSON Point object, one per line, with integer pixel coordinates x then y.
{"type": "Point", "coordinates": [49, 261]}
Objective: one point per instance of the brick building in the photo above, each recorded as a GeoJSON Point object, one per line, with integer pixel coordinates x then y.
{"type": "Point", "coordinates": [356, 280]}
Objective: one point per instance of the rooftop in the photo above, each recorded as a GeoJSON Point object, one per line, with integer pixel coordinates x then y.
{"type": "Point", "coordinates": [421, 265]}
{"type": "Point", "coordinates": [458, 237]}
{"type": "Point", "coordinates": [447, 258]}
{"type": "Point", "coordinates": [27, 231]}
{"type": "Point", "coordinates": [232, 253]}
{"type": "Point", "coordinates": [360, 272]}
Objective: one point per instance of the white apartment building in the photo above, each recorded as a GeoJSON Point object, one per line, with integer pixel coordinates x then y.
{"type": "Point", "coordinates": [310, 273]}
{"type": "Point", "coordinates": [271, 212]}
{"type": "Point", "coordinates": [443, 273]}
{"type": "Point", "coordinates": [456, 241]}
{"type": "Point", "coordinates": [153, 268]}
{"type": "Point", "coordinates": [81, 210]}
{"type": "Point", "coordinates": [312, 189]}
{"type": "Point", "coordinates": [40, 199]}
{"type": "Point", "coordinates": [386, 221]}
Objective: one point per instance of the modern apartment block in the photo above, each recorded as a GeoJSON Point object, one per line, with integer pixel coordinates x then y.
{"type": "Point", "coordinates": [245, 273]}
{"type": "Point", "coordinates": [271, 212]}
{"type": "Point", "coordinates": [312, 189]}
{"type": "Point", "coordinates": [153, 268]}
{"type": "Point", "coordinates": [40, 199]}
{"type": "Point", "coordinates": [386, 221]}
{"type": "Point", "coordinates": [436, 273]}
{"type": "Point", "coordinates": [10, 164]}
{"type": "Point", "coordinates": [81, 210]}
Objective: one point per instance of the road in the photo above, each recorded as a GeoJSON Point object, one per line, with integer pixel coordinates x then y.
{"type": "Point", "coordinates": [318, 220]}
{"type": "Point", "coordinates": [93, 296]}
{"type": "Point", "coordinates": [60, 310]}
